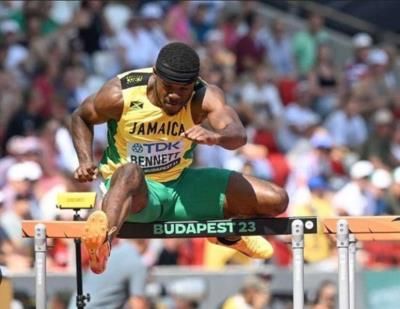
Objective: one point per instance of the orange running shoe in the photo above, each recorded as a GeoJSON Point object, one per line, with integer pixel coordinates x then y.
{"type": "Point", "coordinates": [256, 247]}
{"type": "Point", "coordinates": [96, 241]}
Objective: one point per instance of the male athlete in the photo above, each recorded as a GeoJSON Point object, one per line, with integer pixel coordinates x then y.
{"type": "Point", "coordinates": [155, 117]}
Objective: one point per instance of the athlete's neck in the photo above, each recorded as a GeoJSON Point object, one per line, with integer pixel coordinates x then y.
{"type": "Point", "coordinates": [151, 92]}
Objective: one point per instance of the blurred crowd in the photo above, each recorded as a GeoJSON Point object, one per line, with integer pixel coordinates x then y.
{"type": "Point", "coordinates": [328, 132]}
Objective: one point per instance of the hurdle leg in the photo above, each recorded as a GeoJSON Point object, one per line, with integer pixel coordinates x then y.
{"type": "Point", "coordinates": [40, 265]}
{"type": "Point", "coordinates": [298, 263]}
{"type": "Point", "coordinates": [342, 244]}
{"type": "Point", "coordinates": [352, 270]}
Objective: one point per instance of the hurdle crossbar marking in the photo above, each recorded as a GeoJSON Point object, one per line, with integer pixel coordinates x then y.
{"type": "Point", "coordinates": [179, 229]}
{"type": "Point", "coordinates": [367, 224]}
{"type": "Point", "coordinates": [377, 236]}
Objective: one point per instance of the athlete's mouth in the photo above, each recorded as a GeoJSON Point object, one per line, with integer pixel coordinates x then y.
{"type": "Point", "coordinates": [171, 103]}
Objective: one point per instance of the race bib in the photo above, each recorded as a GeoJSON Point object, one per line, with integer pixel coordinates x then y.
{"type": "Point", "coordinates": [156, 156]}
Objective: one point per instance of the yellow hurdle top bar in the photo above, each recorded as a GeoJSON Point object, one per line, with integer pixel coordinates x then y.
{"type": "Point", "coordinates": [76, 200]}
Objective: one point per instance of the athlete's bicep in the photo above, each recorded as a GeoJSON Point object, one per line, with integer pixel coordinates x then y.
{"type": "Point", "coordinates": [106, 104]}
{"type": "Point", "coordinates": [219, 114]}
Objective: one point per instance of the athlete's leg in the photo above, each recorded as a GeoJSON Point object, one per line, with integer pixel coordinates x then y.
{"type": "Point", "coordinates": [248, 196]}
{"type": "Point", "coordinates": [127, 194]}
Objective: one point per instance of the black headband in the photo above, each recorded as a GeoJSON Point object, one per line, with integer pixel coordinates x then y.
{"type": "Point", "coordinates": [169, 74]}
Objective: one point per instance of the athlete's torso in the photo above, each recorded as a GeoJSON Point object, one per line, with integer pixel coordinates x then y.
{"type": "Point", "coordinates": [146, 135]}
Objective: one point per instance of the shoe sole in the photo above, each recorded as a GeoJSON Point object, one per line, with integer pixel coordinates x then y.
{"type": "Point", "coordinates": [243, 251]}
{"type": "Point", "coordinates": [94, 234]}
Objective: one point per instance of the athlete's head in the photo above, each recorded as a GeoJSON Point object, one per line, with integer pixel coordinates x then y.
{"type": "Point", "coordinates": [176, 69]}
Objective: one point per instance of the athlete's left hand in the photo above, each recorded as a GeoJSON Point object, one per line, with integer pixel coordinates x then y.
{"type": "Point", "coordinates": [200, 135]}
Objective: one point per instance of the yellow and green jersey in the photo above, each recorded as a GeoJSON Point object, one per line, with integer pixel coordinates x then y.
{"type": "Point", "coordinates": [146, 135]}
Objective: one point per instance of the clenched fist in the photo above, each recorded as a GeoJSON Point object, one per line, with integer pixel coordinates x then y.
{"type": "Point", "coordinates": [201, 135]}
{"type": "Point", "coordinates": [86, 172]}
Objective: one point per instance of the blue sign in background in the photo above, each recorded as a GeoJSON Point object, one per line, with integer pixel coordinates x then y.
{"type": "Point", "coordinates": [382, 289]}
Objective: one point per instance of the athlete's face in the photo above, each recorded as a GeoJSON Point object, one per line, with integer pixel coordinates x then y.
{"type": "Point", "coordinates": [173, 96]}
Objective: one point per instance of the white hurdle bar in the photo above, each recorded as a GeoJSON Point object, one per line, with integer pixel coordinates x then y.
{"type": "Point", "coordinates": [295, 226]}
{"type": "Point", "coordinates": [40, 244]}
{"type": "Point", "coordinates": [348, 231]}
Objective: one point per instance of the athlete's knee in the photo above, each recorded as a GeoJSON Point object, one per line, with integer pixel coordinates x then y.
{"type": "Point", "coordinates": [130, 175]}
{"type": "Point", "coordinates": [130, 182]}
{"type": "Point", "coordinates": [276, 201]}
{"type": "Point", "coordinates": [282, 200]}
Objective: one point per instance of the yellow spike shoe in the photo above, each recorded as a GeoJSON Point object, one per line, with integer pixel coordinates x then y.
{"type": "Point", "coordinates": [95, 240]}
{"type": "Point", "coordinates": [256, 247]}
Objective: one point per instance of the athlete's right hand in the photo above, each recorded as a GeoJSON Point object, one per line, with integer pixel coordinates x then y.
{"type": "Point", "coordinates": [86, 172]}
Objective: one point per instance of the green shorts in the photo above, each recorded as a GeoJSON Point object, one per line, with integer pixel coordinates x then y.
{"type": "Point", "coordinates": [198, 194]}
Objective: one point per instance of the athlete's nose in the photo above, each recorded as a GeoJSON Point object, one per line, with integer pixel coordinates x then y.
{"type": "Point", "coordinates": [173, 96]}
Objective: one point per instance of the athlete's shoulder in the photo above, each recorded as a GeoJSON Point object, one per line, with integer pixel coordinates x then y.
{"type": "Point", "coordinates": [134, 78]}
{"type": "Point", "coordinates": [200, 84]}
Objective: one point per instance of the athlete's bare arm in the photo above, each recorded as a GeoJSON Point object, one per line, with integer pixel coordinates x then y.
{"type": "Point", "coordinates": [106, 104]}
{"type": "Point", "coordinates": [227, 129]}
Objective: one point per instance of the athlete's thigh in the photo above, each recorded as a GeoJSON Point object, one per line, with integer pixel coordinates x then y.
{"type": "Point", "coordinates": [250, 196]}
{"type": "Point", "coordinates": [155, 197]}
{"type": "Point", "coordinates": [199, 194]}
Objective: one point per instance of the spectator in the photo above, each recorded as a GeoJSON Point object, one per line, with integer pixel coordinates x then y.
{"type": "Point", "coordinates": [347, 127]}
{"type": "Point", "coordinates": [152, 15]}
{"type": "Point", "coordinates": [250, 51]}
{"type": "Point", "coordinates": [393, 196]}
{"type": "Point", "coordinates": [325, 82]}
{"type": "Point", "coordinates": [16, 53]}
{"type": "Point", "coordinates": [28, 118]}
{"type": "Point", "coordinates": [310, 163]}
{"type": "Point", "coordinates": [263, 100]}
{"type": "Point", "coordinates": [129, 38]}
{"type": "Point", "coordinates": [72, 87]}
{"type": "Point", "coordinates": [318, 248]}
{"type": "Point", "coordinates": [395, 146]}
{"type": "Point", "coordinates": [20, 149]}
{"type": "Point", "coordinates": [305, 43]}
{"type": "Point", "coordinates": [355, 198]}
{"type": "Point", "coordinates": [358, 67]}
{"type": "Point", "coordinates": [199, 23]}
{"type": "Point", "coordinates": [177, 23]}
{"type": "Point", "coordinates": [381, 180]}
{"type": "Point", "coordinates": [185, 293]}
{"type": "Point", "coordinates": [373, 86]}
{"type": "Point", "coordinates": [10, 256]}
{"type": "Point", "coordinates": [377, 147]}
{"type": "Point", "coordinates": [230, 29]}
{"type": "Point", "coordinates": [326, 296]}
{"type": "Point", "coordinates": [299, 119]}
{"type": "Point", "coordinates": [21, 181]}
{"type": "Point", "coordinates": [92, 25]}
{"type": "Point", "coordinates": [254, 294]}
{"type": "Point", "coordinates": [280, 51]}
{"type": "Point", "coordinates": [43, 22]}
{"type": "Point", "coordinates": [123, 283]}
{"type": "Point", "coordinates": [392, 75]}
{"type": "Point", "coordinates": [10, 99]}
{"type": "Point", "coordinates": [44, 84]}
{"type": "Point", "coordinates": [14, 259]}
{"type": "Point", "coordinates": [217, 53]}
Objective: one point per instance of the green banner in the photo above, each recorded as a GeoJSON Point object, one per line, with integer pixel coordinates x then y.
{"type": "Point", "coordinates": [382, 289]}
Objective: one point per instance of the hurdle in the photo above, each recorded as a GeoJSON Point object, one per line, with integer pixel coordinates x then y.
{"type": "Point", "coordinates": [295, 226]}
{"type": "Point", "coordinates": [349, 230]}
